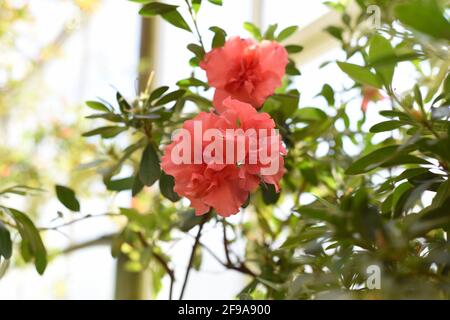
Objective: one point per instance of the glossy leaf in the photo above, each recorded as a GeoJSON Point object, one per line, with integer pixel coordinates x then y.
{"type": "Point", "coordinates": [67, 197]}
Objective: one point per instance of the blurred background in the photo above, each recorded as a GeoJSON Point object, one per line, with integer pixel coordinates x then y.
{"type": "Point", "coordinates": [56, 54]}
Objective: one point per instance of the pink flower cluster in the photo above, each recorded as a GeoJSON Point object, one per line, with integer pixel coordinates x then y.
{"type": "Point", "coordinates": [245, 74]}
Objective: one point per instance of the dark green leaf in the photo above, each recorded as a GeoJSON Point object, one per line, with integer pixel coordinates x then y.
{"type": "Point", "coordinates": [167, 12]}
{"type": "Point", "coordinates": [197, 50]}
{"type": "Point", "coordinates": [174, 95]}
{"type": "Point", "coordinates": [328, 93]}
{"type": "Point", "coordinates": [293, 48]}
{"type": "Point", "coordinates": [149, 169]}
{"type": "Point", "coordinates": [67, 197]}
{"type": "Point", "coordinates": [107, 132]}
{"type": "Point", "coordinates": [418, 95]}
{"type": "Point", "coordinates": [219, 37]}
{"type": "Point", "coordinates": [124, 106]}
{"type": "Point", "coordinates": [372, 160]}
{"type": "Point", "coordinates": [335, 32]}
{"type": "Point", "coordinates": [386, 126]}
{"type": "Point", "coordinates": [120, 184]}
{"type": "Point", "coordinates": [156, 8]}
{"type": "Point", "coordinates": [166, 184]}
{"type": "Point", "coordinates": [158, 93]}
{"type": "Point", "coordinates": [112, 117]}
{"type": "Point", "coordinates": [291, 69]}
{"type": "Point", "coordinates": [31, 239]}
{"type": "Point", "coordinates": [5, 242]}
{"type": "Point", "coordinates": [270, 196]}
{"type": "Point", "coordinates": [189, 220]}
{"type": "Point", "coordinates": [137, 186]}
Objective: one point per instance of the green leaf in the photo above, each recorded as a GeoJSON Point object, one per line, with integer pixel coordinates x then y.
{"type": "Point", "coordinates": [97, 106]}
{"type": "Point", "coordinates": [335, 32]}
{"type": "Point", "coordinates": [149, 168]}
{"type": "Point", "coordinates": [270, 196]}
{"type": "Point", "coordinates": [188, 220]}
{"type": "Point", "coordinates": [372, 160]}
{"type": "Point", "coordinates": [197, 50]}
{"type": "Point", "coordinates": [196, 4]}
{"type": "Point", "coordinates": [5, 242]}
{"type": "Point", "coordinates": [176, 19]}
{"type": "Point", "coordinates": [216, 2]}
{"type": "Point", "coordinates": [157, 93]}
{"type": "Point", "coordinates": [156, 8]}
{"type": "Point", "coordinates": [379, 49]}
{"type": "Point", "coordinates": [360, 74]}
{"type": "Point", "coordinates": [286, 33]}
{"type": "Point", "coordinates": [253, 30]}
{"type": "Point", "coordinates": [31, 239]}
{"type": "Point", "coordinates": [166, 184]}
{"type": "Point", "coordinates": [107, 132]}
{"type": "Point", "coordinates": [137, 186]}
{"type": "Point", "coordinates": [418, 95]}
{"type": "Point", "coordinates": [425, 16]}
{"type": "Point", "coordinates": [387, 126]}
{"type": "Point", "coordinates": [270, 32]}
{"type": "Point", "coordinates": [174, 95]}
{"type": "Point", "coordinates": [291, 69]}
{"type": "Point", "coordinates": [112, 117]}
{"type": "Point", "coordinates": [447, 86]}
{"type": "Point", "coordinates": [311, 114]}
{"type": "Point", "coordinates": [67, 197]}
{"type": "Point", "coordinates": [283, 104]}
{"type": "Point", "coordinates": [167, 12]}
{"type": "Point", "coordinates": [293, 48]}
{"type": "Point", "coordinates": [192, 82]}
{"type": "Point", "coordinates": [120, 184]}
{"type": "Point", "coordinates": [219, 37]}
{"type": "Point", "coordinates": [124, 106]}
{"type": "Point", "coordinates": [328, 93]}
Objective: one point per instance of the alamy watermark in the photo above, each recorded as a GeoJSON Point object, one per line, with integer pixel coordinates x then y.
{"type": "Point", "coordinates": [225, 147]}
{"type": "Point", "coordinates": [374, 13]}
{"type": "Point", "coordinates": [373, 281]}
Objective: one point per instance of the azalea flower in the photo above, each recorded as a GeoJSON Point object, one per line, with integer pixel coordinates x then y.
{"type": "Point", "coordinates": [245, 70]}
{"type": "Point", "coordinates": [231, 165]}
{"type": "Point", "coordinates": [370, 94]}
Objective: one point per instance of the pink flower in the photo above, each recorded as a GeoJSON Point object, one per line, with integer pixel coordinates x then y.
{"type": "Point", "coordinates": [245, 70]}
{"type": "Point", "coordinates": [224, 178]}
{"type": "Point", "coordinates": [370, 94]}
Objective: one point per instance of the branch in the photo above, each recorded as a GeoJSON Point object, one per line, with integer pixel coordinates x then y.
{"type": "Point", "coordinates": [88, 216]}
{"type": "Point", "coordinates": [191, 259]}
{"type": "Point", "coordinates": [103, 240]}
{"type": "Point", "coordinates": [242, 268]}
{"type": "Point", "coordinates": [161, 261]}
{"type": "Point", "coordinates": [194, 20]}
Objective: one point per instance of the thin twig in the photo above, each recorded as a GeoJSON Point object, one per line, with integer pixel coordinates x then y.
{"type": "Point", "coordinates": [191, 259]}
{"type": "Point", "coordinates": [88, 216]}
{"type": "Point", "coordinates": [194, 20]}
{"type": "Point", "coordinates": [225, 242]}
{"type": "Point", "coordinates": [161, 261]}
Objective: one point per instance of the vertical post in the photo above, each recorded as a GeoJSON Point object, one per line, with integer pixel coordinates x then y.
{"type": "Point", "coordinates": [257, 12]}
{"type": "Point", "coordinates": [136, 285]}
